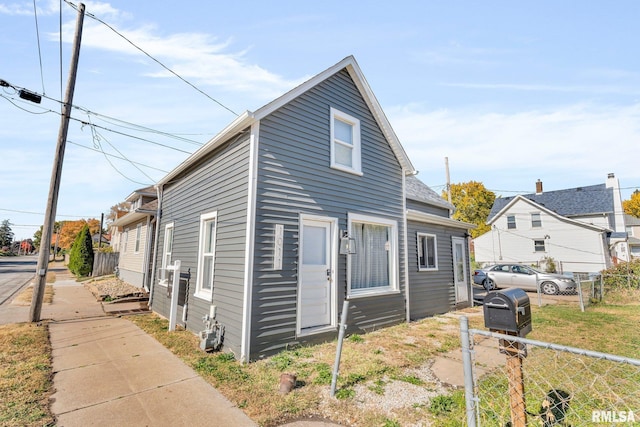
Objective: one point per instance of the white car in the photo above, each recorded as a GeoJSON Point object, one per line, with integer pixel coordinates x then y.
{"type": "Point", "coordinates": [524, 277]}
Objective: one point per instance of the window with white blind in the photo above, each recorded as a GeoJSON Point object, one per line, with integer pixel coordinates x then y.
{"type": "Point", "coordinates": [374, 266]}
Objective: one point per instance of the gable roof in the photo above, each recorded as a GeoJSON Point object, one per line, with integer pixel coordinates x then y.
{"type": "Point", "coordinates": [591, 200]}
{"type": "Point", "coordinates": [248, 118]}
{"type": "Point", "coordinates": [421, 192]}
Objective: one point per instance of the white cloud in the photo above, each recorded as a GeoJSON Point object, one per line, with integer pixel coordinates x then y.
{"type": "Point", "coordinates": [511, 150]}
{"type": "Point", "coordinates": [197, 57]}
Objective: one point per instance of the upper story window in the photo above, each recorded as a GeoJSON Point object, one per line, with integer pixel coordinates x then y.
{"type": "Point", "coordinates": [345, 142]}
{"type": "Point", "coordinates": [427, 252]}
{"type": "Point", "coordinates": [373, 268]}
{"type": "Point", "coordinates": [538, 246]}
{"type": "Point", "coordinates": [536, 220]}
{"type": "Point", "coordinates": [511, 221]}
{"type": "Point", "coordinates": [206, 255]}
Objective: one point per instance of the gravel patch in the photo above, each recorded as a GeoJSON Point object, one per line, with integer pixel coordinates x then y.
{"type": "Point", "coordinates": [111, 288]}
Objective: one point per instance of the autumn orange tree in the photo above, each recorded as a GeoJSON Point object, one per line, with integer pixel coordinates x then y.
{"type": "Point", "coordinates": [632, 206]}
{"type": "Point", "coordinates": [69, 230]}
{"type": "Point", "coordinates": [473, 203]}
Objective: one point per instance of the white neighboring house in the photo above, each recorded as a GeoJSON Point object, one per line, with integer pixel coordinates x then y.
{"type": "Point", "coordinates": [133, 236]}
{"type": "Point", "coordinates": [582, 229]}
{"type": "Point", "coordinates": [633, 231]}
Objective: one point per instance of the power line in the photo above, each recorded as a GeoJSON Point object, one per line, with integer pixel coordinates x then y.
{"type": "Point", "coordinates": [40, 213]}
{"type": "Point", "coordinates": [154, 59]}
{"type": "Point", "coordinates": [116, 157]}
{"type": "Point", "coordinates": [105, 128]}
{"type": "Point", "coordinates": [35, 14]}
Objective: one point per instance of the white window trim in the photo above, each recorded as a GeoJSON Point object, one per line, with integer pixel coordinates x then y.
{"type": "Point", "coordinates": [515, 222]}
{"type": "Point", "coordinates": [167, 227]}
{"type": "Point", "coordinates": [539, 218]}
{"type": "Point", "coordinates": [544, 245]}
{"type": "Point", "coordinates": [200, 293]}
{"type": "Point", "coordinates": [136, 247]}
{"type": "Point", "coordinates": [394, 279]}
{"type": "Point", "coordinates": [435, 250]}
{"type": "Point", "coordinates": [126, 240]}
{"type": "Point", "coordinates": [356, 169]}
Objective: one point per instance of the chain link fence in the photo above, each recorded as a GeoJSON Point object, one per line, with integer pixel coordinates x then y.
{"type": "Point", "coordinates": [512, 381]}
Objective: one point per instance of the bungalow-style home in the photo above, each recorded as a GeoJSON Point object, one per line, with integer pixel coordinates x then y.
{"type": "Point", "coordinates": [581, 230]}
{"type": "Point", "coordinates": [291, 210]}
{"type": "Point", "coordinates": [132, 236]}
{"type": "Point", "coordinates": [632, 224]}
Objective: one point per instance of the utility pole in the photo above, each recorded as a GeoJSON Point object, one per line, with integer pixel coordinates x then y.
{"type": "Point", "coordinates": [446, 166]}
{"type": "Point", "coordinates": [56, 175]}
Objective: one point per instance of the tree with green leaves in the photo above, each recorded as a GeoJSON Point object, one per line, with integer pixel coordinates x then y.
{"type": "Point", "coordinates": [81, 255]}
{"type": "Point", "coordinates": [6, 234]}
{"type": "Point", "coordinates": [473, 203]}
{"type": "Point", "coordinates": [632, 206]}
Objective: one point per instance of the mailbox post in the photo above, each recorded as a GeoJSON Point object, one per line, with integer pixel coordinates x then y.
{"type": "Point", "coordinates": [508, 312]}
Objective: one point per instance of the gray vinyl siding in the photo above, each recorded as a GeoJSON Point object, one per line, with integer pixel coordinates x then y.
{"type": "Point", "coordinates": [218, 183]}
{"type": "Point", "coordinates": [423, 207]}
{"type": "Point", "coordinates": [294, 177]}
{"type": "Point", "coordinates": [431, 292]}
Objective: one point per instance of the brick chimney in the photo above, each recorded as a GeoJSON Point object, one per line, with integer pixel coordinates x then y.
{"type": "Point", "coordinates": [538, 187]}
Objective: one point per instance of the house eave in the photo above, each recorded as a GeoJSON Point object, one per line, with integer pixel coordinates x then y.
{"type": "Point", "coordinates": [241, 122]}
{"type": "Point", "coordinates": [132, 217]}
{"type": "Point", "coordinates": [414, 215]}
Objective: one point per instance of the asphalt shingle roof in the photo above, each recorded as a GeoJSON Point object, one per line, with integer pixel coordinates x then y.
{"type": "Point", "coordinates": [421, 192]}
{"type": "Point", "coordinates": [593, 199]}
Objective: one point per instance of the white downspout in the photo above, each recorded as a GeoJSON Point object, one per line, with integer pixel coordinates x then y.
{"type": "Point", "coordinates": [406, 247]}
{"type": "Point", "coordinates": [245, 345]}
{"type": "Point", "coordinates": [155, 243]}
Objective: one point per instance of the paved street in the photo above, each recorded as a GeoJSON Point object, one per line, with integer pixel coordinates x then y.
{"type": "Point", "coordinates": [15, 272]}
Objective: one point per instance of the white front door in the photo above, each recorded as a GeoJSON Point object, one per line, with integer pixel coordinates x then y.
{"type": "Point", "coordinates": [316, 274]}
{"type": "Point", "coordinates": [460, 275]}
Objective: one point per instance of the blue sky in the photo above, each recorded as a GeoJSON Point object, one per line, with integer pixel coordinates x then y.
{"type": "Point", "coordinates": [510, 92]}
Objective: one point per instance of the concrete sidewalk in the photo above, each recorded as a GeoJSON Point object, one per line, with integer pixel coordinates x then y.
{"type": "Point", "coordinates": [107, 371]}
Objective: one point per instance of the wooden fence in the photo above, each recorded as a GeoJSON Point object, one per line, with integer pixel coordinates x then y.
{"type": "Point", "coordinates": [104, 263]}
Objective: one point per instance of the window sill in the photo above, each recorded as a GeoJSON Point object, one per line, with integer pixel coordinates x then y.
{"type": "Point", "coordinates": [347, 170]}
{"type": "Point", "coordinates": [427, 269]}
{"type": "Point", "coordinates": [203, 296]}
{"type": "Point", "coordinates": [314, 331]}
{"type": "Point", "coordinates": [367, 294]}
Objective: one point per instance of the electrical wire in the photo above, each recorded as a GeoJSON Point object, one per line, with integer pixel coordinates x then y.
{"type": "Point", "coordinates": [60, 52]}
{"type": "Point", "coordinates": [116, 157]}
{"type": "Point", "coordinates": [41, 213]}
{"type": "Point", "coordinates": [35, 13]}
{"type": "Point", "coordinates": [97, 138]}
{"type": "Point", "coordinates": [153, 59]}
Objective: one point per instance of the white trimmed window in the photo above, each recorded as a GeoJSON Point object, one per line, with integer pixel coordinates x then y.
{"type": "Point", "coordinates": [373, 269]}
{"type": "Point", "coordinates": [206, 255]}
{"type": "Point", "coordinates": [536, 220]}
{"type": "Point", "coordinates": [138, 238]}
{"type": "Point", "coordinates": [167, 249]}
{"type": "Point", "coordinates": [125, 239]}
{"type": "Point", "coordinates": [427, 252]}
{"type": "Point", "coordinates": [345, 142]}
{"type": "Point", "coordinates": [538, 246]}
{"type": "Point", "coordinates": [511, 222]}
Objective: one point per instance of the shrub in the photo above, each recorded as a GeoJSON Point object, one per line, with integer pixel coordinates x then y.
{"type": "Point", "coordinates": [624, 275]}
{"type": "Point", "coordinates": [81, 254]}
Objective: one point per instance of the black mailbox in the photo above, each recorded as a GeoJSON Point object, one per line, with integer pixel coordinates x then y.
{"type": "Point", "coordinates": [508, 311]}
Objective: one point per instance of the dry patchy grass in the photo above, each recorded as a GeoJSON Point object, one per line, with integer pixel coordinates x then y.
{"type": "Point", "coordinates": [24, 297]}
{"type": "Point", "coordinates": [25, 375]}
{"type": "Point", "coordinates": [371, 363]}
